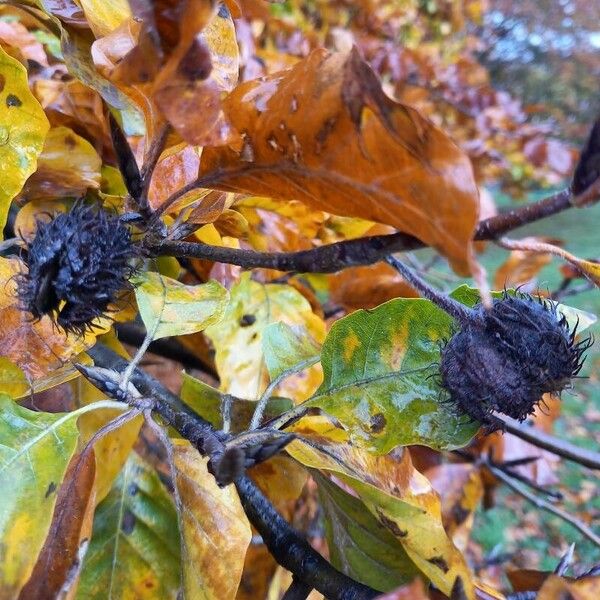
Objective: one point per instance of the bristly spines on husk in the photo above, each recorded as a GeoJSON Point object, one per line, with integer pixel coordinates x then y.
{"type": "Point", "coordinates": [78, 264]}
{"type": "Point", "coordinates": [507, 357]}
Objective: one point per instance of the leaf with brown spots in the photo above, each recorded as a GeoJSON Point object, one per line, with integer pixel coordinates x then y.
{"type": "Point", "coordinates": [324, 132]}
{"type": "Point", "coordinates": [134, 550]}
{"type": "Point", "coordinates": [23, 128]}
{"type": "Point", "coordinates": [215, 532]}
{"type": "Point", "coordinates": [379, 378]}
{"type": "Point", "coordinates": [402, 501]}
{"type": "Point", "coordinates": [360, 545]}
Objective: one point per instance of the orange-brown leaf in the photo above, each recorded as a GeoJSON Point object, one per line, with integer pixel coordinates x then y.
{"type": "Point", "coordinates": [71, 521]}
{"type": "Point", "coordinates": [324, 132]}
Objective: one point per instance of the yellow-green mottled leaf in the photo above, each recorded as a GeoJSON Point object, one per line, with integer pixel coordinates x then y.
{"type": "Point", "coordinates": [168, 307]}
{"type": "Point", "coordinates": [215, 530]}
{"type": "Point", "coordinates": [23, 128]}
{"type": "Point", "coordinates": [285, 346]}
{"type": "Point", "coordinates": [238, 337]}
{"type": "Point", "coordinates": [35, 449]}
{"type": "Point", "coordinates": [360, 546]}
{"type": "Point", "coordinates": [134, 551]}
{"type": "Point", "coordinates": [380, 381]}
{"type": "Point", "coordinates": [401, 499]}
{"type": "Point", "coordinates": [12, 379]}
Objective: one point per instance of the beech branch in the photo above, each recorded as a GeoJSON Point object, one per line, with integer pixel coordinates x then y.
{"type": "Point", "coordinates": [287, 545]}
{"type": "Point", "coordinates": [541, 439]}
{"type": "Point", "coordinates": [362, 251]}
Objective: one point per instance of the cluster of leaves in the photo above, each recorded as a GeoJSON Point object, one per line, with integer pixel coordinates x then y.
{"type": "Point", "coordinates": [93, 505]}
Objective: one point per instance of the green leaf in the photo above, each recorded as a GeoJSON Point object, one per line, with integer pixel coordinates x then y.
{"type": "Point", "coordinates": [380, 378]}
{"type": "Point", "coordinates": [35, 450]}
{"type": "Point", "coordinates": [23, 128]}
{"type": "Point", "coordinates": [285, 346]}
{"type": "Point", "coordinates": [207, 402]}
{"type": "Point", "coordinates": [134, 551]}
{"type": "Point", "coordinates": [360, 546]}
{"type": "Point", "coordinates": [169, 308]}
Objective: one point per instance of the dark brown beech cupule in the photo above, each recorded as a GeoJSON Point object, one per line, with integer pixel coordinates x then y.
{"type": "Point", "coordinates": [78, 264]}
{"type": "Point", "coordinates": [504, 358]}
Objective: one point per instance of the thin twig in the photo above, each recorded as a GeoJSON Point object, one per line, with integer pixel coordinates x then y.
{"type": "Point", "coordinates": [170, 348]}
{"type": "Point", "coordinates": [348, 253]}
{"type": "Point", "coordinates": [528, 482]}
{"type": "Point", "coordinates": [261, 405]}
{"type": "Point", "coordinates": [543, 504]}
{"type": "Point", "coordinates": [460, 312]}
{"type": "Point", "coordinates": [537, 437]}
{"type": "Point", "coordinates": [154, 152]}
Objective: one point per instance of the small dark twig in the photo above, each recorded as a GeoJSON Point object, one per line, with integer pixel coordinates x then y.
{"type": "Point", "coordinates": [543, 504]}
{"type": "Point", "coordinates": [555, 495]}
{"type": "Point", "coordinates": [156, 147]}
{"type": "Point", "coordinates": [167, 347]}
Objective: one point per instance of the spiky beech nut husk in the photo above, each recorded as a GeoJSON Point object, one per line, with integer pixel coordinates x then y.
{"type": "Point", "coordinates": [78, 264]}
{"type": "Point", "coordinates": [507, 357]}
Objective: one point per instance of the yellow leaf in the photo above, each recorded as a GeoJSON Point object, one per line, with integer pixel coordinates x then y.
{"type": "Point", "coordinates": [23, 128]}
{"type": "Point", "coordinates": [168, 307]}
{"type": "Point", "coordinates": [67, 166]}
{"type": "Point", "coordinates": [238, 337]}
{"type": "Point", "coordinates": [105, 16]}
{"type": "Point", "coordinates": [214, 527]}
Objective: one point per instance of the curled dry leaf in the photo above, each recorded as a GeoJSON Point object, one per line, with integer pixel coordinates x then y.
{"type": "Point", "coordinates": [67, 166]}
{"type": "Point", "coordinates": [201, 68]}
{"type": "Point", "coordinates": [16, 34]}
{"type": "Point", "coordinates": [521, 267]}
{"type": "Point", "coordinates": [324, 132]}
{"type": "Point", "coordinates": [589, 269]}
